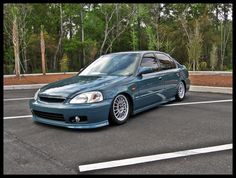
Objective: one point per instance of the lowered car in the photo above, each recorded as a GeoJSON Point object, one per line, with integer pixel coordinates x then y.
{"type": "Point", "coordinates": [110, 89]}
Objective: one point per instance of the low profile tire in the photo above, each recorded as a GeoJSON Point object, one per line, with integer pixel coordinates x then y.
{"type": "Point", "coordinates": [120, 110]}
{"type": "Point", "coordinates": [180, 91]}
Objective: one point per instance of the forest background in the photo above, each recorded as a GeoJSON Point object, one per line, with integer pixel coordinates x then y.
{"type": "Point", "coordinates": [66, 37]}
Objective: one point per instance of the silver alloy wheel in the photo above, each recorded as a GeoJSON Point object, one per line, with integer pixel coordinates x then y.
{"type": "Point", "coordinates": [181, 90]}
{"type": "Point", "coordinates": [120, 107]}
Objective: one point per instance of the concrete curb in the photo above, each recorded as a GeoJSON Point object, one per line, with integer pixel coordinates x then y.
{"type": "Point", "coordinates": [194, 88]}
{"type": "Point", "coordinates": [211, 73]}
{"type": "Point", "coordinates": [20, 87]}
{"type": "Point", "coordinates": [210, 89]}
{"type": "Point", "coordinates": [41, 74]}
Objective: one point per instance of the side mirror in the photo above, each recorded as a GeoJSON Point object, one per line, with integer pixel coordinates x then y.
{"type": "Point", "coordinates": [145, 70]}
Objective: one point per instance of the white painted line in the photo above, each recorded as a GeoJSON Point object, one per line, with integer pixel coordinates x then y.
{"type": "Point", "coordinates": [199, 102]}
{"type": "Point", "coordinates": [16, 117]}
{"type": "Point", "coordinates": [16, 99]}
{"type": "Point", "coordinates": [157, 157]}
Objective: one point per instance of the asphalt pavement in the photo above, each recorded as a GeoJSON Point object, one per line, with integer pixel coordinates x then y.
{"type": "Point", "coordinates": [34, 148]}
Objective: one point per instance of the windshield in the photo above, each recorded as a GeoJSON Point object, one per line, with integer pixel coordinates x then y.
{"type": "Point", "coordinates": [113, 64]}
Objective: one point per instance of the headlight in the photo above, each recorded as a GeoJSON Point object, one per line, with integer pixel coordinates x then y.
{"type": "Point", "coordinates": [88, 97]}
{"type": "Point", "coordinates": [36, 94]}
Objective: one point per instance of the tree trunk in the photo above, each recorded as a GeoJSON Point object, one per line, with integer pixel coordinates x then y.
{"type": "Point", "coordinates": [224, 36]}
{"type": "Point", "coordinates": [105, 38]}
{"type": "Point", "coordinates": [25, 59]}
{"type": "Point", "coordinates": [82, 35]}
{"type": "Point", "coordinates": [139, 30]}
{"type": "Point", "coordinates": [15, 40]}
{"type": "Point", "coordinates": [194, 65]}
{"type": "Point", "coordinates": [24, 50]}
{"type": "Point", "coordinates": [217, 16]}
{"type": "Point", "coordinates": [117, 20]}
{"type": "Point", "coordinates": [59, 42]}
{"type": "Point", "coordinates": [157, 26]}
{"type": "Point", "coordinates": [224, 41]}
{"type": "Point", "coordinates": [70, 28]}
{"type": "Point", "coordinates": [42, 51]}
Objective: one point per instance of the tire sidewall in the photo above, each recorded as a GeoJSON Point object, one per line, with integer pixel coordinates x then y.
{"type": "Point", "coordinates": [177, 94]}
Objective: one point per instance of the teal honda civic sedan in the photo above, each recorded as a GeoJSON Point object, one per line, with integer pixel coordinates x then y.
{"type": "Point", "coordinates": [111, 89]}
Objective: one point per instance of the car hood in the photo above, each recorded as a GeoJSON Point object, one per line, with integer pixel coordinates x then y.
{"type": "Point", "coordinates": [67, 87]}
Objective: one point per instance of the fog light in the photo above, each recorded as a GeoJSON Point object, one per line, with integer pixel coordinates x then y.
{"type": "Point", "coordinates": [77, 119]}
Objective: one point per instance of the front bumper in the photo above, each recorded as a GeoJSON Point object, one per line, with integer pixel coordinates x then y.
{"type": "Point", "coordinates": [97, 113]}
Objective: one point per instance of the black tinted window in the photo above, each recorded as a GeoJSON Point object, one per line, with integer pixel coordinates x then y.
{"type": "Point", "coordinates": [165, 62]}
{"type": "Point", "coordinates": [149, 60]}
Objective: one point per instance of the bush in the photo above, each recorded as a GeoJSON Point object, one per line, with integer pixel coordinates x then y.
{"type": "Point", "coordinates": [203, 66]}
{"type": "Point", "coordinates": [64, 63]}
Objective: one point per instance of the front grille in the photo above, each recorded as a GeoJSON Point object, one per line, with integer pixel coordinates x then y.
{"type": "Point", "coordinates": [51, 100]}
{"type": "Point", "coordinates": [51, 116]}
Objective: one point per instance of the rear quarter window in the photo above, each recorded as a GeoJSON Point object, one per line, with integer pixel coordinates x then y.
{"type": "Point", "coordinates": [165, 62]}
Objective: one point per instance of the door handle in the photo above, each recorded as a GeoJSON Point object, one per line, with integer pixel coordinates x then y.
{"type": "Point", "coordinates": [159, 78]}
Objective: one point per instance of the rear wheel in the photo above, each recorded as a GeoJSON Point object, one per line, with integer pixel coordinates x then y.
{"type": "Point", "coordinates": [120, 110]}
{"type": "Point", "coordinates": [180, 91]}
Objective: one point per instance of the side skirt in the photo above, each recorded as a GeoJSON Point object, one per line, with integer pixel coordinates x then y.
{"type": "Point", "coordinates": [152, 106]}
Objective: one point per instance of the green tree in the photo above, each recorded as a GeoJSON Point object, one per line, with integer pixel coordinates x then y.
{"type": "Point", "coordinates": [152, 43]}
{"type": "Point", "coordinates": [15, 29]}
{"type": "Point", "coordinates": [85, 31]}
{"type": "Point", "coordinates": [194, 47]}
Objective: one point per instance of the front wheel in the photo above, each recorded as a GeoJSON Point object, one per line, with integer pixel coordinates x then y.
{"type": "Point", "coordinates": [120, 110]}
{"type": "Point", "coordinates": [180, 91]}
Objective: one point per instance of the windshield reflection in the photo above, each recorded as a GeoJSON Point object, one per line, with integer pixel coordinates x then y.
{"type": "Point", "coordinates": [113, 64]}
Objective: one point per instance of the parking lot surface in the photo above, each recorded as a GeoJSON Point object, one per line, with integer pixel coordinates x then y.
{"type": "Point", "coordinates": [34, 148]}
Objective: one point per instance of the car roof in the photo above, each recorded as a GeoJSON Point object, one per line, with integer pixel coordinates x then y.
{"type": "Point", "coordinates": [139, 52]}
